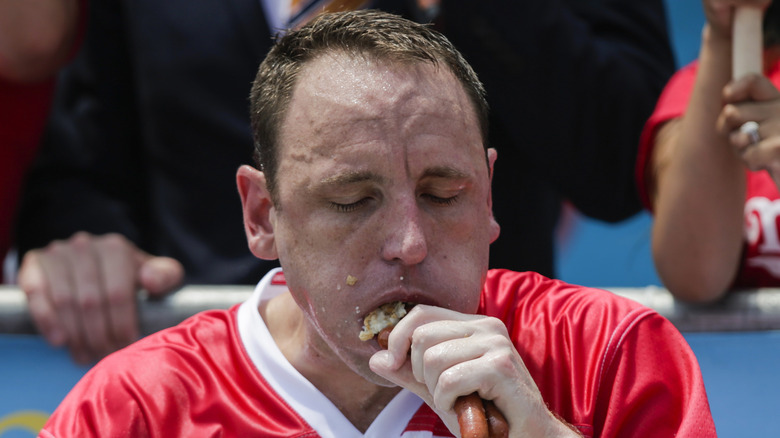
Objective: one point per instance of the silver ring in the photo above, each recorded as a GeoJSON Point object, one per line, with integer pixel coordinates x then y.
{"type": "Point", "coordinates": [751, 129]}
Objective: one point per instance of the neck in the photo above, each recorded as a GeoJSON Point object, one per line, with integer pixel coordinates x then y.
{"type": "Point", "coordinates": [358, 399]}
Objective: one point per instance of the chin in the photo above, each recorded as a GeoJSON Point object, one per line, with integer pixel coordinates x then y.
{"type": "Point", "coordinates": [378, 380]}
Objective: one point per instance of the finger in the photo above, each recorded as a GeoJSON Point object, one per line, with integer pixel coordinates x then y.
{"type": "Point", "coordinates": [119, 272]}
{"type": "Point", "coordinates": [438, 346]}
{"type": "Point", "coordinates": [90, 300]}
{"type": "Point", "coordinates": [32, 280]}
{"type": "Point", "coordinates": [732, 117]}
{"type": "Point", "coordinates": [741, 139]}
{"type": "Point", "coordinates": [56, 264]}
{"type": "Point", "coordinates": [764, 155]}
{"type": "Point", "coordinates": [383, 365]}
{"type": "Point", "coordinates": [160, 275]}
{"type": "Point", "coordinates": [751, 87]}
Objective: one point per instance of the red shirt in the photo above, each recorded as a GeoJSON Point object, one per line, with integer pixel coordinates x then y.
{"type": "Point", "coordinates": [605, 364]}
{"type": "Point", "coordinates": [760, 262]}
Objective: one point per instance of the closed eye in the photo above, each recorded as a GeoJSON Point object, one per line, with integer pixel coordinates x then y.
{"type": "Point", "coordinates": [348, 208]}
{"type": "Point", "coordinates": [441, 201]}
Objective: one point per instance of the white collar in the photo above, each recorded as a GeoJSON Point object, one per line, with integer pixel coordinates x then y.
{"type": "Point", "coordinates": [298, 392]}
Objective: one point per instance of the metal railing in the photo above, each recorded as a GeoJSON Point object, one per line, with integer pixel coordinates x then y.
{"type": "Point", "coordinates": [745, 310]}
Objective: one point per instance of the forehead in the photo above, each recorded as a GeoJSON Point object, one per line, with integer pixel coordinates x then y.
{"type": "Point", "coordinates": [338, 89]}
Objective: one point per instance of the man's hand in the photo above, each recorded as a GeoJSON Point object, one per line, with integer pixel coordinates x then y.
{"type": "Point", "coordinates": [440, 355]}
{"type": "Point", "coordinates": [81, 291]}
{"type": "Point", "coordinates": [753, 98]}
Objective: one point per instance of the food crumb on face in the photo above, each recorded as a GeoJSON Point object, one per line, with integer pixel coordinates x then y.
{"type": "Point", "coordinates": [351, 280]}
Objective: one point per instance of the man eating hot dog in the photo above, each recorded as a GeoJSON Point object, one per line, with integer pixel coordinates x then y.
{"type": "Point", "coordinates": [373, 186]}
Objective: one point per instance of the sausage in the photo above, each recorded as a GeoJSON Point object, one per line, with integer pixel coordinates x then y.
{"type": "Point", "coordinates": [471, 416]}
{"type": "Point", "coordinates": [497, 424]}
{"type": "Point", "coordinates": [476, 418]}
{"type": "Point", "coordinates": [383, 336]}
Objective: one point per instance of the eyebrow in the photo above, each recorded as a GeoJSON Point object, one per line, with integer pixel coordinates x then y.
{"type": "Point", "coordinates": [351, 178]}
{"type": "Point", "coordinates": [445, 172]}
{"type": "Point", "coordinates": [354, 177]}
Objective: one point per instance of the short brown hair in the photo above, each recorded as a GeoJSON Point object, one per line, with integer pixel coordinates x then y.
{"type": "Point", "coordinates": [366, 33]}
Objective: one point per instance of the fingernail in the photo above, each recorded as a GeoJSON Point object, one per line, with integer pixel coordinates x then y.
{"type": "Point", "coordinates": [383, 359]}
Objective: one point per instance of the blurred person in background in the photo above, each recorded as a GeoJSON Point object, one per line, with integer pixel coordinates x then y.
{"type": "Point", "coordinates": [119, 199]}
{"type": "Point", "coordinates": [711, 187]}
{"type": "Point", "coordinates": [37, 37]}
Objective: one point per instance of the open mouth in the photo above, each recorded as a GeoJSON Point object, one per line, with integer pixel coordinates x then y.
{"type": "Point", "coordinates": [386, 315]}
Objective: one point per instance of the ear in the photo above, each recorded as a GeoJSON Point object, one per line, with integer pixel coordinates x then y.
{"type": "Point", "coordinates": [495, 229]}
{"type": "Point", "coordinates": [259, 212]}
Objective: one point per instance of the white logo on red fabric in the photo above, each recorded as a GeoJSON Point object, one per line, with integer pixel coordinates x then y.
{"type": "Point", "coordinates": [761, 221]}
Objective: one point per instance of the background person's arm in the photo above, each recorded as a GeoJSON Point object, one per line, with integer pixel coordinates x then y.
{"type": "Point", "coordinates": [36, 37]}
{"type": "Point", "coordinates": [699, 190]}
{"type": "Point", "coordinates": [84, 204]}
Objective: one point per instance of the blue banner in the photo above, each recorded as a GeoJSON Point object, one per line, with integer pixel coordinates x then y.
{"type": "Point", "coordinates": [34, 378]}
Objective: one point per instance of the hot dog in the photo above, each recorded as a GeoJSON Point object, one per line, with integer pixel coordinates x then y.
{"type": "Point", "coordinates": [497, 424]}
{"type": "Point", "coordinates": [471, 416]}
{"type": "Point", "coordinates": [477, 418]}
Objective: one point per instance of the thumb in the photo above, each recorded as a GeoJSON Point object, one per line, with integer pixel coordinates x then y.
{"type": "Point", "coordinates": [383, 364]}
{"type": "Point", "coordinates": [160, 275]}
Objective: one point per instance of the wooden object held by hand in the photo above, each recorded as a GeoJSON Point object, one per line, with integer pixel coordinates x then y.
{"type": "Point", "coordinates": [747, 42]}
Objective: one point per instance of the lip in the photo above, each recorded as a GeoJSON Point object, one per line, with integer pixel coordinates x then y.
{"type": "Point", "coordinates": [404, 295]}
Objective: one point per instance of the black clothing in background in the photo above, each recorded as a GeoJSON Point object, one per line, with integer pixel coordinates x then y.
{"type": "Point", "coordinates": [151, 121]}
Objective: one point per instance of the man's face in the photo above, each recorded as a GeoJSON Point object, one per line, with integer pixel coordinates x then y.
{"type": "Point", "coordinates": [384, 195]}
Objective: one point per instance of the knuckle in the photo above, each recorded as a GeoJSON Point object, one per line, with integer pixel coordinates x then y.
{"type": "Point", "coordinates": [420, 335]}
{"type": "Point", "coordinates": [80, 246]}
{"type": "Point", "coordinates": [447, 380]}
{"type": "Point", "coordinates": [80, 238]}
{"type": "Point", "coordinates": [118, 296]}
{"type": "Point", "coordinates": [62, 299]}
{"type": "Point", "coordinates": [730, 113]}
{"type": "Point", "coordinates": [503, 363]}
{"type": "Point", "coordinates": [495, 325]}
{"type": "Point", "coordinates": [432, 358]}
{"type": "Point", "coordinates": [114, 241]}
{"type": "Point", "coordinates": [55, 248]}
{"type": "Point", "coordinates": [89, 302]}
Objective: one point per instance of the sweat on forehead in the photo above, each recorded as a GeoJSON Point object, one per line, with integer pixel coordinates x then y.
{"type": "Point", "coordinates": [373, 35]}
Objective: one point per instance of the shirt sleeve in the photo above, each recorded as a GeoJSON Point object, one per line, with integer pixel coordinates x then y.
{"type": "Point", "coordinates": [671, 104]}
{"type": "Point", "coordinates": [100, 405]}
{"type": "Point", "coordinates": [651, 385]}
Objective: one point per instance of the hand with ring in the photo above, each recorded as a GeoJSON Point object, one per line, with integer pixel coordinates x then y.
{"type": "Point", "coordinates": [751, 119]}
{"type": "Point", "coordinates": [750, 129]}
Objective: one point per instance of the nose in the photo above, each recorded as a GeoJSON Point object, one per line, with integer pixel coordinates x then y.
{"type": "Point", "coordinates": [405, 239]}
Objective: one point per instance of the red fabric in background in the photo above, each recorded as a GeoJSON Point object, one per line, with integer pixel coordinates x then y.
{"type": "Point", "coordinates": [23, 112]}
{"type": "Point", "coordinates": [24, 109]}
